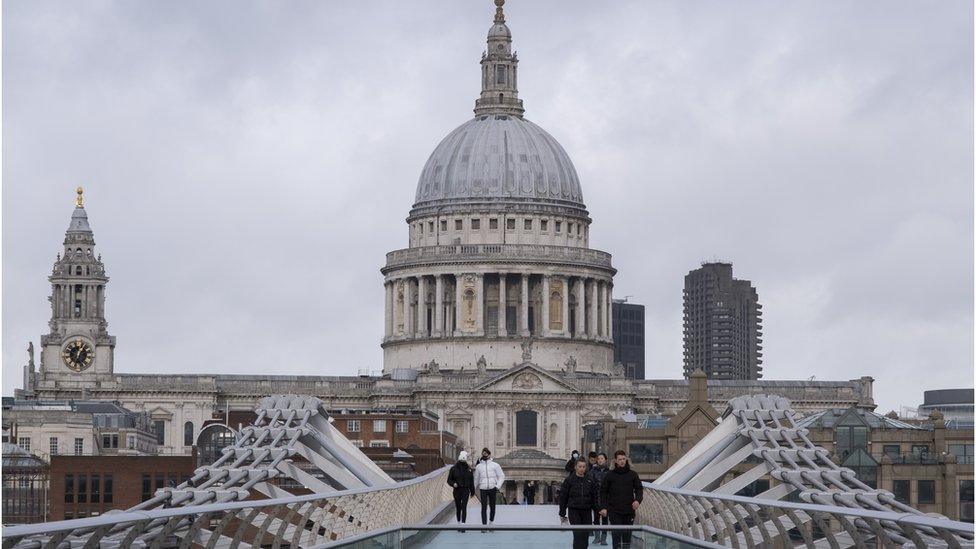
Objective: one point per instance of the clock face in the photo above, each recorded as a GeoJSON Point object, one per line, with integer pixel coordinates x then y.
{"type": "Point", "coordinates": [78, 355]}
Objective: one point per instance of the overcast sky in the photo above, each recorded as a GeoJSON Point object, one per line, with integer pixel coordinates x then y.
{"type": "Point", "coordinates": [248, 164]}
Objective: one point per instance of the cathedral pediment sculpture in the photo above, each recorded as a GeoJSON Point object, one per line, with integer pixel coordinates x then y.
{"type": "Point", "coordinates": [527, 349]}
{"type": "Point", "coordinates": [571, 365]}
{"type": "Point", "coordinates": [482, 365]}
{"type": "Point", "coordinates": [526, 381]}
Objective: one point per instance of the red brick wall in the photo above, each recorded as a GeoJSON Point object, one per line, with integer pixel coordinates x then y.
{"type": "Point", "coordinates": [127, 481]}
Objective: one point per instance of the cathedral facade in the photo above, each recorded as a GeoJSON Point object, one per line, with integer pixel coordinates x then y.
{"type": "Point", "coordinates": [497, 314]}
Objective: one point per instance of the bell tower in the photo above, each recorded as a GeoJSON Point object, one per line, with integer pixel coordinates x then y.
{"type": "Point", "coordinates": [78, 350]}
{"type": "Point", "coordinates": [499, 71]}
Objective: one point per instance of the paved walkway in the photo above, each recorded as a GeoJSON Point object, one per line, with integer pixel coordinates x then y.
{"type": "Point", "coordinates": [529, 515]}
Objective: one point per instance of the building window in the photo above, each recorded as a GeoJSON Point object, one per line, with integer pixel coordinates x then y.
{"type": "Point", "coordinates": [82, 488]}
{"type": "Point", "coordinates": [510, 224]}
{"type": "Point", "coordinates": [849, 438]}
{"type": "Point", "coordinates": [352, 425]}
{"type": "Point", "coordinates": [402, 426]}
{"type": "Point", "coordinates": [902, 489]}
{"type": "Point", "coordinates": [24, 442]}
{"type": "Point", "coordinates": [357, 443]}
{"type": "Point", "coordinates": [458, 224]}
{"type": "Point", "coordinates": [926, 491]}
{"type": "Point", "coordinates": [966, 500]}
{"type": "Point", "coordinates": [69, 488]}
{"type": "Point", "coordinates": [379, 425]}
{"type": "Point", "coordinates": [107, 489]}
{"type": "Point", "coordinates": [646, 453]}
{"type": "Point", "coordinates": [526, 427]}
{"type": "Point", "coordinates": [79, 446]}
{"type": "Point", "coordinates": [920, 449]}
{"type": "Point", "coordinates": [500, 74]}
{"type": "Point", "coordinates": [53, 448]}
{"type": "Point", "coordinates": [963, 453]}
{"type": "Point", "coordinates": [544, 225]}
{"type": "Point", "coordinates": [493, 224]}
{"type": "Point", "coordinates": [159, 428]}
{"type": "Point", "coordinates": [528, 224]}
{"type": "Point", "coordinates": [475, 224]}
{"type": "Point", "coordinates": [569, 228]}
{"type": "Point", "coordinates": [146, 486]}
{"type": "Point", "coordinates": [379, 444]}
{"type": "Point", "coordinates": [132, 442]}
{"type": "Point", "coordinates": [96, 488]}
{"type": "Point", "coordinates": [430, 226]}
{"type": "Point", "coordinates": [188, 433]}
{"type": "Point", "coordinates": [559, 227]}
{"type": "Point", "coordinates": [892, 450]}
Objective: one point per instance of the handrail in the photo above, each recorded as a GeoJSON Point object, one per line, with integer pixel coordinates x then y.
{"type": "Point", "coordinates": [719, 516]}
{"type": "Point", "coordinates": [273, 507]}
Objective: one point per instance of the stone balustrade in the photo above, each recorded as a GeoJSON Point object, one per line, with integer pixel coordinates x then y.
{"type": "Point", "coordinates": [427, 255]}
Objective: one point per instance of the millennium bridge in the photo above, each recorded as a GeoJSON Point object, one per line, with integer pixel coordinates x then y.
{"type": "Point", "coordinates": [241, 499]}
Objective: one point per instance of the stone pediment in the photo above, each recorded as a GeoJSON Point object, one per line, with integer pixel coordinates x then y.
{"type": "Point", "coordinates": [527, 377]}
{"type": "Point", "coordinates": [457, 413]}
{"type": "Point", "coordinates": [160, 413]}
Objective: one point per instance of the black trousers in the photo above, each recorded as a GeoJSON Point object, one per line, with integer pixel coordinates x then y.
{"type": "Point", "coordinates": [488, 500]}
{"type": "Point", "coordinates": [598, 520]}
{"type": "Point", "coordinates": [461, 504]}
{"type": "Point", "coordinates": [621, 519]}
{"type": "Point", "coordinates": [581, 538]}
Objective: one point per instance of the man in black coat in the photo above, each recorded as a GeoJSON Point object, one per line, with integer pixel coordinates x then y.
{"type": "Point", "coordinates": [576, 496]}
{"type": "Point", "coordinates": [620, 494]}
{"type": "Point", "coordinates": [596, 475]}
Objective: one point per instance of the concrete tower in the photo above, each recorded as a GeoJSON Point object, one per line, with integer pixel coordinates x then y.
{"type": "Point", "coordinates": [78, 351]}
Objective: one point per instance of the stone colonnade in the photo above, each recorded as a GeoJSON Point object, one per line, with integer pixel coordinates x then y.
{"type": "Point", "coordinates": [88, 296]}
{"type": "Point", "coordinates": [468, 304]}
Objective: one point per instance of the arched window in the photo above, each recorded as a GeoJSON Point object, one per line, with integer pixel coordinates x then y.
{"type": "Point", "coordinates": [78, 270]}
{"type": "Point", "coordinates": [188, 433]}
{"type": "Point", "coordinates": [212, 441]}
{"type": "Point", "coordinates": [556, 311]}
{"type": "Point", "coordinates": [553, 434]}
{"type": "Point", "coordinates": [526, 425]}
{"type": "Point", "coordinates": [500, 432]}
{"type": "Point", "coordinates": [469, 312]}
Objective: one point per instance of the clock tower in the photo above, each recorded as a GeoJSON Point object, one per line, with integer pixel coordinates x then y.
{"type": "Point", "coordinates": [78, 350]}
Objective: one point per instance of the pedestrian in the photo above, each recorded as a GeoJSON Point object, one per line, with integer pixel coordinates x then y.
{"type": "Point", "coordinates": [596, 475]}
{"type": "Point", "coordinates": [461, 479]}
{"type": "Point", "coordinates": [620, 494]}
{"type": "Point", "coordinates": [488, 478]}
{"type": "Point", "coordinates": [576, 497]}
{"type": "Point", "coordinates": [571, 462]}
{"type": "Point", "coordinates": [591, 461]}
{"type": "Point", "coordinates": [528, 492]}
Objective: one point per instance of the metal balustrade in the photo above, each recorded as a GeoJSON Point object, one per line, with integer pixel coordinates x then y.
{"type": "Point", "coordinates": [295, 521]}
{"type": "Point", "coordinates": [737, 521]}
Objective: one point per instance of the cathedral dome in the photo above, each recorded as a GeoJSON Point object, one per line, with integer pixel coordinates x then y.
{"type": "Point", "coordinates": [501, 158]}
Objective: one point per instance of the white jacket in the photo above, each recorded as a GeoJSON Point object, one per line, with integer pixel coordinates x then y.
{"type": "Point", "coordinates": [488, 475]}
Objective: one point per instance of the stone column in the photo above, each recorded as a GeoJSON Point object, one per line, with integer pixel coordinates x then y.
{"type": "Point", "coordinates": [545, 305]}
{"type": "Point", "coordinates": [457, 303]}
{"type": "Point", "coordinates": [396, 309]}
{"type": "Point", "coordinates": [566, 306]}
{"type": "Point", "coordinates": [593, 310]}
{"type": "Point", "coordinates": [439, 327]}
{"type": "Point", "coordinates": [388, 317]}
{"type": "Point", "coordinates": [421, 307]}
{"type": "Point", "coordinates": [524, 313]}
{"type": "Point", "coordinates": [602, 309]}
{"type": "Point", "coordinates": [580, 309]}
{"type": "Point", "coordinates": [502, 305]}
{"type": "Point", "coordinates": [610, 311]}
{"type": "Point", "coordinates": [408, 326]}
{"type": "Point", "coordinates": [479, 321]}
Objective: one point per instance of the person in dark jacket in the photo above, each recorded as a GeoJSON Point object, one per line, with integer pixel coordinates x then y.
{"type": "Point", "coordinates": [591, 461]}
{"type": "Point", "coordinates": [528, 492]}
{"type": "Point", "coordinates": [620, 494]}
{"type": "Point", "coordinates": [576, 496]}
{"type": "Point", "coordinates": [571, 462]}
{"type": "Point", "coordinates": [596, 474]}
{"type": "Point", "coordinates": [461, 478]}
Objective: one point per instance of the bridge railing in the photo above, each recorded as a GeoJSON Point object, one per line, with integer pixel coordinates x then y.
{"type": "Point", "coordinates": [739, 521]}
{"type": "Point", "coordinates": [297, 521]}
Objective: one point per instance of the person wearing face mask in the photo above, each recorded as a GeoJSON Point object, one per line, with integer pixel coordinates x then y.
{"type": "Point", "coordinates": [488, 478]}
{"type": "Point", "coordinates": [571, 463]}
{"type": "Point", "coordinates": [461, 479]}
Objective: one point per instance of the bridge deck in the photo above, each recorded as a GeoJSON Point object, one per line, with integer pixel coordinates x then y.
{"type": "Point", "coordinates": [514, 515]}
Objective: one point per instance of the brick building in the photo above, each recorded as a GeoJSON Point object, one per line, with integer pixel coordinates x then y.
{"type": "Point", "coordinates": [87, 486]}
{"type": "Point", "coordinates": [408, 430]}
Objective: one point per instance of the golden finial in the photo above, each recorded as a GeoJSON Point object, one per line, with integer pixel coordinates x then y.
{"type": "Point", "coordinates": [80, 200]}
{"type": "Point", "coordinates": [499, 13]}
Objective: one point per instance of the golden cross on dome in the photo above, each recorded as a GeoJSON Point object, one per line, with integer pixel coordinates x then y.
{"type": "Point", "coordinates": [80, 200]}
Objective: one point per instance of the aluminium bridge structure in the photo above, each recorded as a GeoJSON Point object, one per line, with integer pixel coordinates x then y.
{"type": "Point", "coordinates": [241, 499]}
